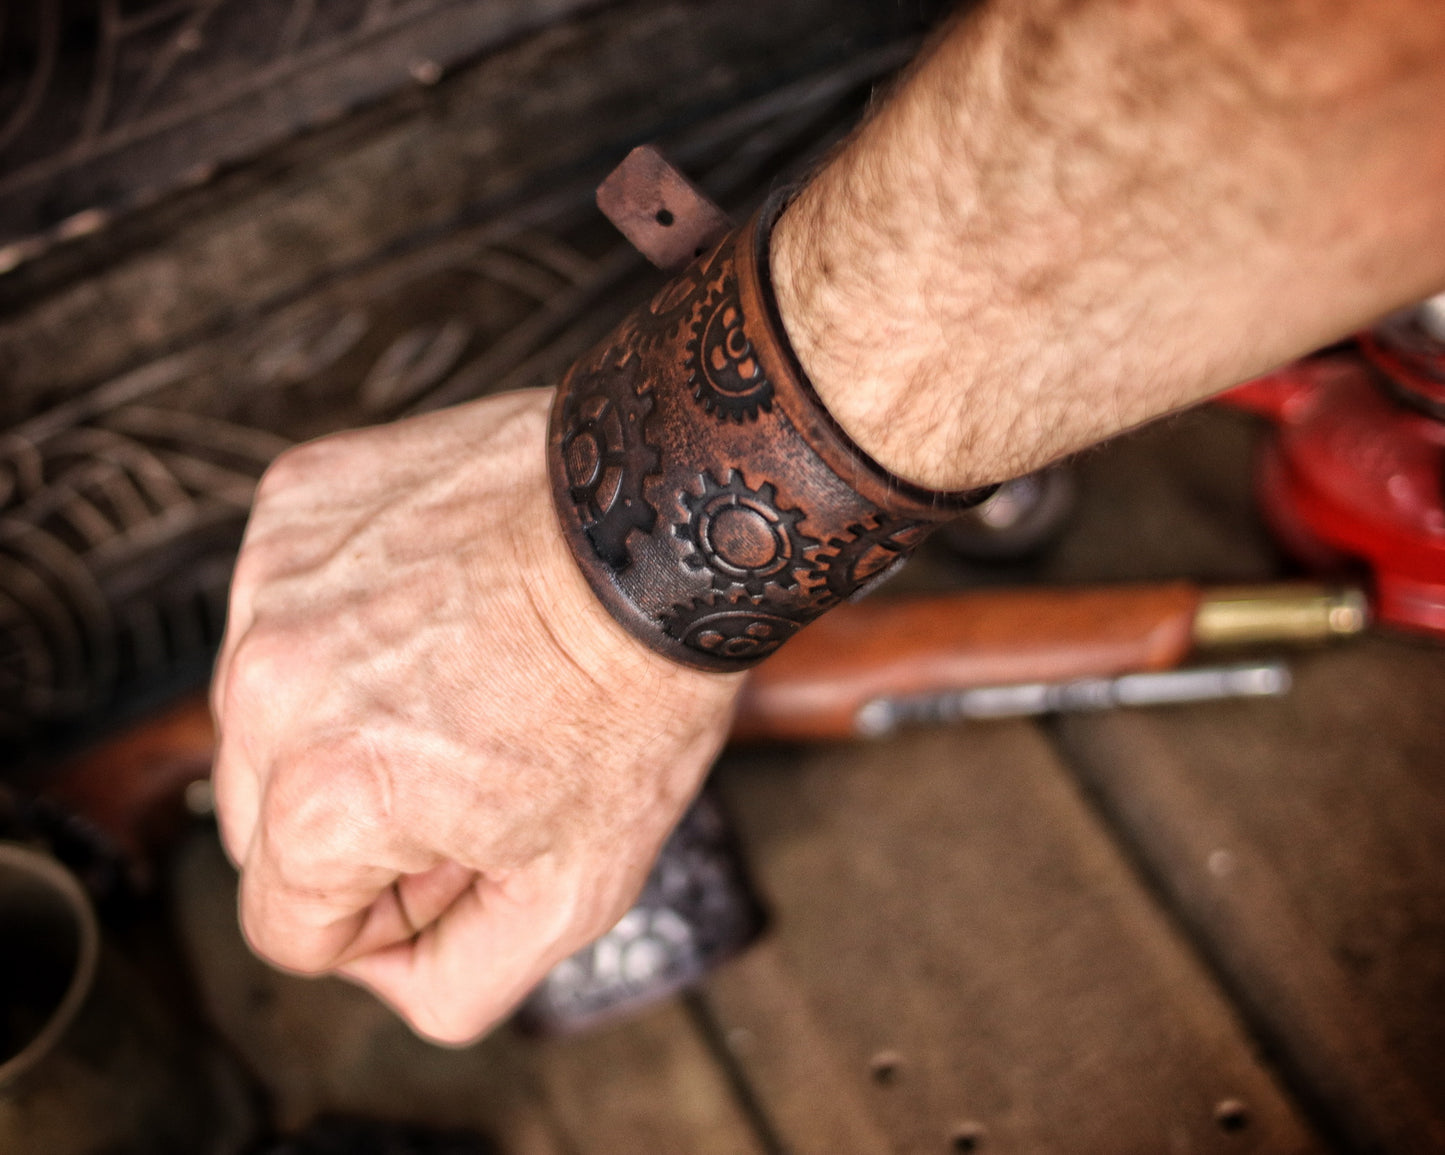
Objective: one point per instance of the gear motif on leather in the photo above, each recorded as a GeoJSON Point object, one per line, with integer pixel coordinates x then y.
{"type": "Point", "coordinates": [743, 537]}
{"type": "Point", "coordinates": [871, 551]}
{"type": "Point", "coordinates": [739, 627]}
{"type": "Point", "coordinates": [722, 367]}
{"type": "Point", "coordinates": [708, 497]}
{"type": "Point", "coordinates": [606, 457]}
{"type": "Point", "coordinates": [672, 311]}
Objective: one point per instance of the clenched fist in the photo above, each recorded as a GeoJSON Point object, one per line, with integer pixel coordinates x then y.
{"type": "Point", "coordinates": [443, 767]}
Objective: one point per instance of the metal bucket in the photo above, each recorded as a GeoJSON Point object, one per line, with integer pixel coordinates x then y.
{"type": "Point", "coordinates": [90, 1060]}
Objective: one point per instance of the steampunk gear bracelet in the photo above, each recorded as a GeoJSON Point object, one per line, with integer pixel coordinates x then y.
{"type": "Point", "coordinates": [713, 503]}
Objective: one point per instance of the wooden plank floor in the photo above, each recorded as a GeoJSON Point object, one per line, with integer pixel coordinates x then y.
{"type": "Point", "coordinates": [976, 961]}
{"type": "Point", "coordinates": [1301, 841]}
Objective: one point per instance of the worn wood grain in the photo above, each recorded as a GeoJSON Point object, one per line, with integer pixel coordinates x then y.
{"type": "Point", "coordinates": [810, 1092]}
{"type": "Point", "coordinates": [959, 952]}
{"type": "Point", "coordinates": [649, 1084]}
{"type": "Point", "coordinates": [218, 95]}
{"type": "Point", "coordinates": [575, 95]}
{"type": "Point", "coordinates": [1301, 841]}
{"type": "Point", "coordinates": [1304, 842]}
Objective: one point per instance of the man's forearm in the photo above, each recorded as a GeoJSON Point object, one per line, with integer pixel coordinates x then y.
{"type": "Point", "coordinates": [1073, 217]}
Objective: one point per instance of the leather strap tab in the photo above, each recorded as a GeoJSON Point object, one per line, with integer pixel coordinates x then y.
{"type": "Point", "coordinates": [710, 499]}
{"type": "Point", "coordinates": [668, 219]}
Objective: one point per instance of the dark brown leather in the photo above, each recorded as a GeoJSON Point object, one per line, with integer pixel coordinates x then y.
{"type": "Point", "coordinates": [710, 499]}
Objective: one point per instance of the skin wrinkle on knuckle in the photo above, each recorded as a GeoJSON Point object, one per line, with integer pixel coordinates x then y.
{"type": "Point", "coordinates": [421, 908]}
{"type": "Point", "coordinates": [320, 821]}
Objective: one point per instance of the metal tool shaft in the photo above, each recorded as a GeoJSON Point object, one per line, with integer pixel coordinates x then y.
{"type": "Point", "coordinates": [1200, 684]}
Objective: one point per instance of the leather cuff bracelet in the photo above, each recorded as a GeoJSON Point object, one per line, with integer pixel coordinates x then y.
{"type": "Point", "coordinates": [713, 503]}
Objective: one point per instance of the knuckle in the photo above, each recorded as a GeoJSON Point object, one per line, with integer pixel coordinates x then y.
{"type": "Point", "coordinates": [234, 836]}
{"type": "Point", "coordinates": [262, 932]}
{"type": "Point", "coordinates": [297, 848]}
{"type": "Point", "coordinates": [301, 827]}
{"type": "Point", "coordinates": [326, 806]}
{"type": "Point", "coordinates": [256, 672]}
{"type": "Point", "coordinates": [258, 934]}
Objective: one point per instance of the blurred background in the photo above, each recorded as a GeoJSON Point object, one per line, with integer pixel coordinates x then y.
{"type": "Point", "coordinates": [230, 225]}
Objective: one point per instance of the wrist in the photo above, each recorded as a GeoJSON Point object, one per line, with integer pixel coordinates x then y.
{"type": "Point", "coordinates": [898, 331]}
{"type": "Point", "coordinates": [586, 634]}
{"type": "Point", "coordinates": [712, 502]}
{"type": "Point", "coordinates": [844, 307]}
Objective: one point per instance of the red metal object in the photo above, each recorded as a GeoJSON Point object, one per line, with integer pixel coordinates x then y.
{"type": "Point", "coordinates": [1356, 470]}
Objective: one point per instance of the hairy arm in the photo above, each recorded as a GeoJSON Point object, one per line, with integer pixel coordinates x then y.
{"type": "Point", "coordinates": [1073, 217]}
{"type": "Point", "coordinates": [443, 767]}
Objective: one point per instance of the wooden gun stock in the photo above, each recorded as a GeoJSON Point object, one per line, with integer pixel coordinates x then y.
{"type": "Point", "coordinates": [815, 686]}
{"type": "Point", "coordinates": [133, 785]}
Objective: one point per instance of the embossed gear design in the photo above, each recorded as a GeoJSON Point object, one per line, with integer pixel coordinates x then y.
{"type": "Point", "coordinates": [607, 459]}
{"type": "Point", "coordinates": [867, 555]}
{"type": "Point", "coordinates": [738, 627]}
{"type": "Point", "coordinates": [671, 312]}
{"type": "Point", "coordinates": [675, 307]}
{"type": "Point", "coordinates": [743, 537]}
{"type": "Point", "coordinates": [723, 369]}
